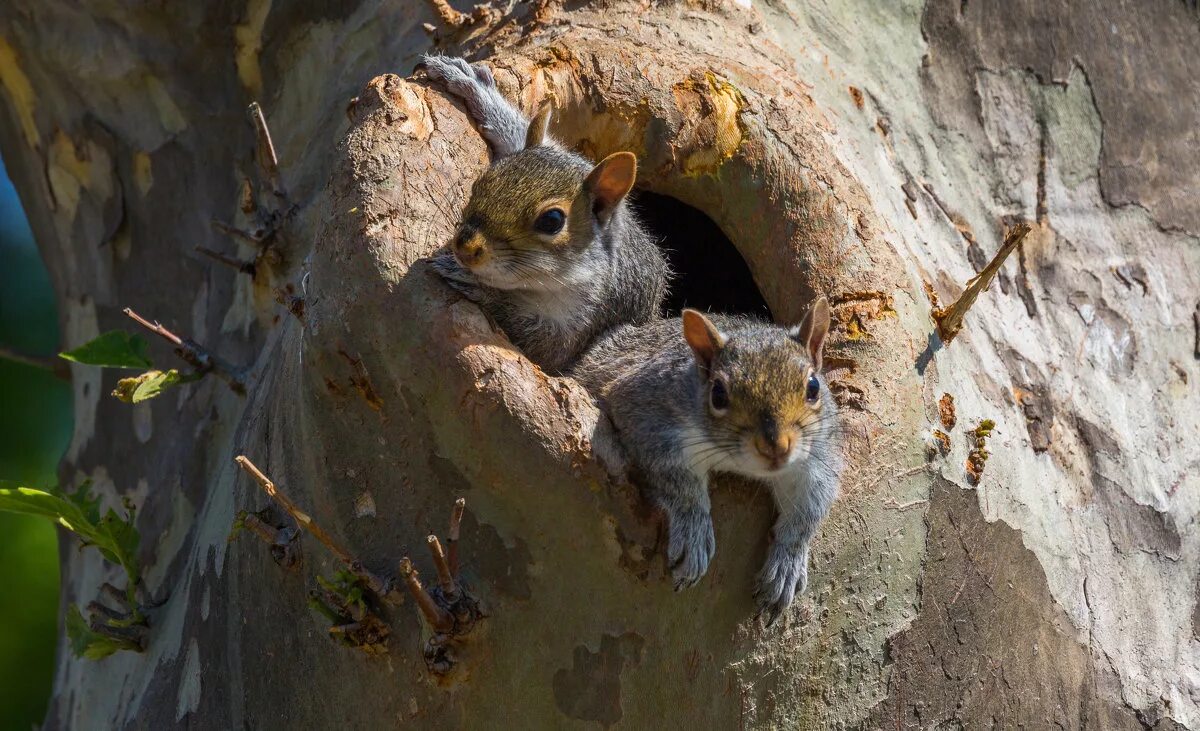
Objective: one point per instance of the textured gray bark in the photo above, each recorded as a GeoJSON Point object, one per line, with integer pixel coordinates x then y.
{"type": "Point", "coordinates": [854, 149]}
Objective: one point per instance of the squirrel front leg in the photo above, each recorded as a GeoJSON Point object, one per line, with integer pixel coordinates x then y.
{"type": "Point", "coordinates": [691, 542]}
{"type": "Point", "coordinates": [802, 504]}
{"type": "Point", "coordinates": [500, 123]}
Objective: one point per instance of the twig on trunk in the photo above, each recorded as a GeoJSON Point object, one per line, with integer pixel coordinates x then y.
{"type": "Point", "coordinates": [120, 596]}
{"type": "Point", "coordinates": [248, 202]}
{"type": "Point", "coordinates": [448, 15]}
{"type": "Point", "coordinates": [301, 517]}
{"type": "Point", "coordinates": [373, 582]}
{"type": "Point", "coordinates": [95, 607]}
{"type": "Point", "coordinates": [56, 366]}
{"type": "Point", "coordinates": [132, 637]}
{"type": "Point", "coordinates": [195, 354]}
{"type": "Point", "coordinates": [267, 158]}
{"type": "Point", "coordinates": [341, 629]}
{"type": "Point", "coordinates": [1196, 324]}
{"type": "Point", "coordinates": [282, 541]}
{"type": "Point", "coordinates": [245, 267]}
{"type": "Point", "coordinates": [156, 328]}
{"type": "Point", "coordinates": [949, 319]}
{"type": "Point", "coordinates": [256, 525]}
{"type": "Point", "coordinates": [437, 617]}
{"type": "Point", "coordinates": [234, 231]}
{"type": "Point", "coordinates": [445, 577]}
{"type": "Point", "coordinates": [456, 516]}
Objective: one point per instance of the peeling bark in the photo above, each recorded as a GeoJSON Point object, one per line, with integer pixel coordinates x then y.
{"type": "Point", "coordinates": [858, 150]}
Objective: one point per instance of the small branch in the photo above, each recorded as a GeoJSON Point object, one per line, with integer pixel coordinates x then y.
{"type": "Point", "coordinates": [268, 533]}
{"type": "Point", "coordinates": [448, 15]}
{"type": "Point", "coordinates": [301, 517]}
{"type": "Point", "coordinates": [445, 578]}
{"type": "Point", "coordinates": [96, 607]}
{"type": "Point", "coordinates": [437, 617]}
{"type": "Point", "coordinates": [1196, 324]}
{"type": "Point", "coordinates": [235, 232]}
{"type": "Point", "coordinates": [316, 600]}
{"type": "Point", "coordinates": [267, 159]}
{"type": "Point", "coordinates": [374, 583]}
{"type": "Point", "coordinates": [341, 629]}
{"type": "Point", "coordinates": [120, 596]}
{"type": "Point", "coordinates": [247, 203]}
{"type": "Point", "coordinates": [282, 541]}
{"type": "Point", "coordinates": [245, 267]}
{"type": "Point", "coordinates": [456, 516]}
{"type": "Point", "coordinates": [132, 637]}
{"type": "Point", "coordinates": [194, 354]}
{"type": "Point", "coordinates": [56, 366]}
{"type": "Point", "coordinates": [155, 327]}
{"type": "Point", "coordinates": [949, 319]}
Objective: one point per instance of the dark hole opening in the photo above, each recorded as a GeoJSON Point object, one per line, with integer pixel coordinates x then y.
{"type": "Point", "coordinates": [710, 274]}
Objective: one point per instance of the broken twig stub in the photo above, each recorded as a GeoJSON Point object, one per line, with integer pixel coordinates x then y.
{"type": "Point", "coordinates": [949, 319]}
{"type": "Point", "coordinates": [437, 617]}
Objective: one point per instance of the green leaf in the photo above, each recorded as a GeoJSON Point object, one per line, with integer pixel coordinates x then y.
{"type": "Point", "coordinates": [146, 386]}
{"type": "Point", "coordinates": [113, 349]}
{"type": "Point", "coordinates": [115, 537]}
{"type": "Point", "coordinates": [87, 643]}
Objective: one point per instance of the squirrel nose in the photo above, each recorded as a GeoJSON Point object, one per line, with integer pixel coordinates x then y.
{"type": "Point", "coordinates": [469, 248]}
{"type": "Point", "coordinates": [775, 450]}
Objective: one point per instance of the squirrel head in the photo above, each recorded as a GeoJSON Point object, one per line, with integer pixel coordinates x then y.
{"type": "Point", "coordinates": [533, 216]}
{"type": "Point", "coordinates": [765, 404]}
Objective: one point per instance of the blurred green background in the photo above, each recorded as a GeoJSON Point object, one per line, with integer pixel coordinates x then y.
{"type": "Point", "coordinates": [35, 426]}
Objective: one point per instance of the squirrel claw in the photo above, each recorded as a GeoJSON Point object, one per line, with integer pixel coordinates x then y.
{"type": "Point", "coordinates": [783, 576]}
{"type": "Point", "coordinates": [772, 614]}
{"type": "Point", "coordinates": [691, 545]}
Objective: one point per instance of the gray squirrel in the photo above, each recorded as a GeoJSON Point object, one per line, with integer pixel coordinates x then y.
{"type": "Point", "coordinates": [546, 245]}
{"type": "Point", "coordinates": [695, 395]}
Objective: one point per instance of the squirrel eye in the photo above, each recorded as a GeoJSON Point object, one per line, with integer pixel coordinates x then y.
{"type": "Point", "coordinates": [550, 222]}
{"type": "Point", "coordinates": [718, 396]}
{"type": "Point", "coordinates": [813, 389]}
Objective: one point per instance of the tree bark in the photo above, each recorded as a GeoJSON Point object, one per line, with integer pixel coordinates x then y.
{"type": "Point", "coordinates": [875, 154]}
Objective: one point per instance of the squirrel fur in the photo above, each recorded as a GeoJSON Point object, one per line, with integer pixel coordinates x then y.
{"type": "Point", "coordinates": [547, 245]}
{"type": "Point", "coordinates": [698, 395]}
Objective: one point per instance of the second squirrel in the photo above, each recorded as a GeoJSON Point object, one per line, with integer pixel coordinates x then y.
{"type": "Point", "coordinates": [732, 395]}
{"type": "Point", "coordinates": [547, 246]}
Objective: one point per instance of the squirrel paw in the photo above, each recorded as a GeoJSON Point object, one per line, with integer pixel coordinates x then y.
{"type": "Point", "coordinates": [690, 546]}
{"type": "Point", "coordinates": [783, 576]}
{"type": "Point", "coordinates": [458, 75]}
{"type": "Point", "coordinates": [449, 270]}
{"type": "Point", "coordinates": [475, 85]}
{"type": "Point", "coordinates": [500, 123]}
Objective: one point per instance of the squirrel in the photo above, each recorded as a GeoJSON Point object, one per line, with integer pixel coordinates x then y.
{"type": "Point", "coordinates": [734, 395]}
{"type": "Point", "coordinates": [546, 246]}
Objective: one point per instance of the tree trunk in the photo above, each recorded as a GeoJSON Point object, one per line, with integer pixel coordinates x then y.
{"type": "Point", "coordinates": [872, 153]}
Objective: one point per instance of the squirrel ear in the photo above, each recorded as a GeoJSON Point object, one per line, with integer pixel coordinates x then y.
{"type": "Point", "coordinates": [812, 330]}
{"type": "Point", "coordinates": [703, 337]}
{"type": "Point", "coordinates": [538, 126]}
{"type": "Point", "coordinates": [610, 181]}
